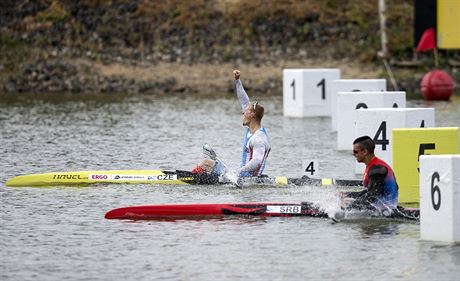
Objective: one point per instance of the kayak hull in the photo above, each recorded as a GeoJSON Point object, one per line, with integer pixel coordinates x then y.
{"type": "Point", "coordinates": [259, 209]}
{"type": "Point", "coordinates": [157, 177]}
{"type": "Point", "coordinates": [272, 209]}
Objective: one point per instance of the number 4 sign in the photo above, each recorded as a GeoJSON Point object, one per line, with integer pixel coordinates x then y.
{"type": "Point", "coordinates": [378, 123]}
{"type": "Point", "coordinates": [310, 167]}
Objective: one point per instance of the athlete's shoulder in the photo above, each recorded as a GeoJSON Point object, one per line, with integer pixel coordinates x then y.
{"type": "Point", "coordinates": [261, 135]}
{"type": "Point", "coordinates": [377, 169]}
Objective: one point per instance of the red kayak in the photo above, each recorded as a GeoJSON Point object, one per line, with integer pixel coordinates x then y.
{"type": "Point", "coordinates": [216, 210]}
{"type": "Point", "coordinates": [273, 209]}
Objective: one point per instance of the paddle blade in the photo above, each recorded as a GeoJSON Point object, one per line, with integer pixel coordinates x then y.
{"type": "Point", "coordinates": [208, 151]}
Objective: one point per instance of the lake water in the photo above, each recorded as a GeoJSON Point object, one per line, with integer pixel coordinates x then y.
{"type": "Point", "coordinates": [60, 233]}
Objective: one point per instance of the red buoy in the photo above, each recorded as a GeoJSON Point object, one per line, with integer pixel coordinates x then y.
{"type": "Point", "coordinates": [437, 85]}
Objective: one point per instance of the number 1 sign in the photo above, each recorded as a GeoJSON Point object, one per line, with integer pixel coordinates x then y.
{"type": "Point", "coordinates": [306, 92]}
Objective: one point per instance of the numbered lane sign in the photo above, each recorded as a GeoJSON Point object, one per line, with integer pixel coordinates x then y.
{"type": "Point", "coordinates": [352, 85]}
{"type": "Point", "coordinates": [378, 123]}
{"type": "Point", "coordinates": [440, 197]}
{"type": "Point", "coordinates": [409, 145]}
{"type": "Point", "coordinates": [348, 102]}
{"type": "Point", "coordinates": [310, 168]}
{"type": "Point", "coordinates": [306, 92]}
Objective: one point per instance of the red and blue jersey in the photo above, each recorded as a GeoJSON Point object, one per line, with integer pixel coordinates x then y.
{"type": "Point", "coordinates": [388, 196]}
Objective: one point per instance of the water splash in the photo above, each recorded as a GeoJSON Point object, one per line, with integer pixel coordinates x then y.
{"type": "Point", "coordinates": [328, 200]}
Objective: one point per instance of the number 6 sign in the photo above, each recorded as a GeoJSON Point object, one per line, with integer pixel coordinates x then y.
{"type": "Point", "coordinates": [440, 197]}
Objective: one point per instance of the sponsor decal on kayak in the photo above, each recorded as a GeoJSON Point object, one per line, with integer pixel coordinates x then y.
{"type": "Point", "coordinates": [168, 177]}
{"type": "Point", "coordinates": [293, 209]}
{"type": "Point", "coordinates": [67, 177]}
{"type": "Point", "coordinates": [128, 177]}
{"type": "Point", "coordinates": [98, 177]}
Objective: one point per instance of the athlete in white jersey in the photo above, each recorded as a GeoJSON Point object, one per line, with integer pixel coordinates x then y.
{"type": "Point", "coordinates": [255, 145]}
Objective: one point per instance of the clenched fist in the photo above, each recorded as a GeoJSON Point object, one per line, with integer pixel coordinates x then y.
{"type": "Point", "coordinates": [237, 74]}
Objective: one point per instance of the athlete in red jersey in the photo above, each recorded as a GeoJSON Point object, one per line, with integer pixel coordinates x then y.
{"type": "Point", "coordinates": [381, 188]}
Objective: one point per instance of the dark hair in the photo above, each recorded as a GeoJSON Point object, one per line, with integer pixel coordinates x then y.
{"type": "Point", "coordinates": [365, 142]}
{"type": "Point", "coordinates": [259, 111]}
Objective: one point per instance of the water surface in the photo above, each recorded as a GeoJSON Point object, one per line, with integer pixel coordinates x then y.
{"type": "Point", "coordinates": [60, 233]}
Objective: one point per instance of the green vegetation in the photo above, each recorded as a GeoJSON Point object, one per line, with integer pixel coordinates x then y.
{"type": "Point", "coordinates": [208, 27]}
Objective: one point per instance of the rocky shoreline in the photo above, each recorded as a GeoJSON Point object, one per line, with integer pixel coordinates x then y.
{"type": "Point", "coordinates": [57, 75]}
{"type": "Point", "coordinates": [65, 77]}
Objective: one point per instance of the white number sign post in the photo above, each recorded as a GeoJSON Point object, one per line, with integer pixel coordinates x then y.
{"type": "Point", "coordinates": [306, 92]}
{"type": "Point", "coordinates": [349, 102]}
{"type": "Point", "coordinates": [378, 124]}
{"type": "Point", "coordinates": [352, 85]}
{"type": "Point", "coordinates": [440, 197]}
{"type": "Point", "coordinates": [310, 168]}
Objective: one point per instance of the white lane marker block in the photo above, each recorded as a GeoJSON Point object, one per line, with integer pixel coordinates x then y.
{"type": "Point", "coordinates": [352, 85]}
{"type": "Point", "coordinates": [310, 168]}
{"type": "Point", "coordinates": [349, 102]}
{"type": "Point", "coordinates": [307, 92]}
{"type": "Point", "coordinates": [440, 197]}
{"type": "Point", "coordinates": [378, 124]}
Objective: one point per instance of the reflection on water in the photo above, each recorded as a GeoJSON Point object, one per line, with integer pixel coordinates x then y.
{"type": "Point", "coordinates": [376, 227]}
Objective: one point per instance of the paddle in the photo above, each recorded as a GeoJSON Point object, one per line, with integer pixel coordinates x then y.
{"type": "Point", "coordinates": [232, 177]}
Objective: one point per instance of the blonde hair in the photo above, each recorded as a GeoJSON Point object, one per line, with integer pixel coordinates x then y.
{"type": "Point", "coordinates": [258, 110]}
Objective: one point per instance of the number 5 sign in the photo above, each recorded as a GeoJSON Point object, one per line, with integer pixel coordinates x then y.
{"type": "Point", "coordinates": [306, 92]}
{"type": "Point", "coordinates": [409, 146]}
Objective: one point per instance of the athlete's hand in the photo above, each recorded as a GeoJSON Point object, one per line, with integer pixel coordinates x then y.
{"type": "Point", "coordinates": [237, 74]}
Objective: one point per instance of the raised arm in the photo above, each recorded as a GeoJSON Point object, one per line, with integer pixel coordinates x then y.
{"type": "Point", "coordinates": [240, 92]}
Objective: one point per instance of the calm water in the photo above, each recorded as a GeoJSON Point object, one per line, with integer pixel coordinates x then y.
{"type": "Point", "coordinates": [60, 233]}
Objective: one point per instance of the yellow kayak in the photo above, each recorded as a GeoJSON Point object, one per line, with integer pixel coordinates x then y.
{"type": "Point", "coordinates": [161, 177]}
